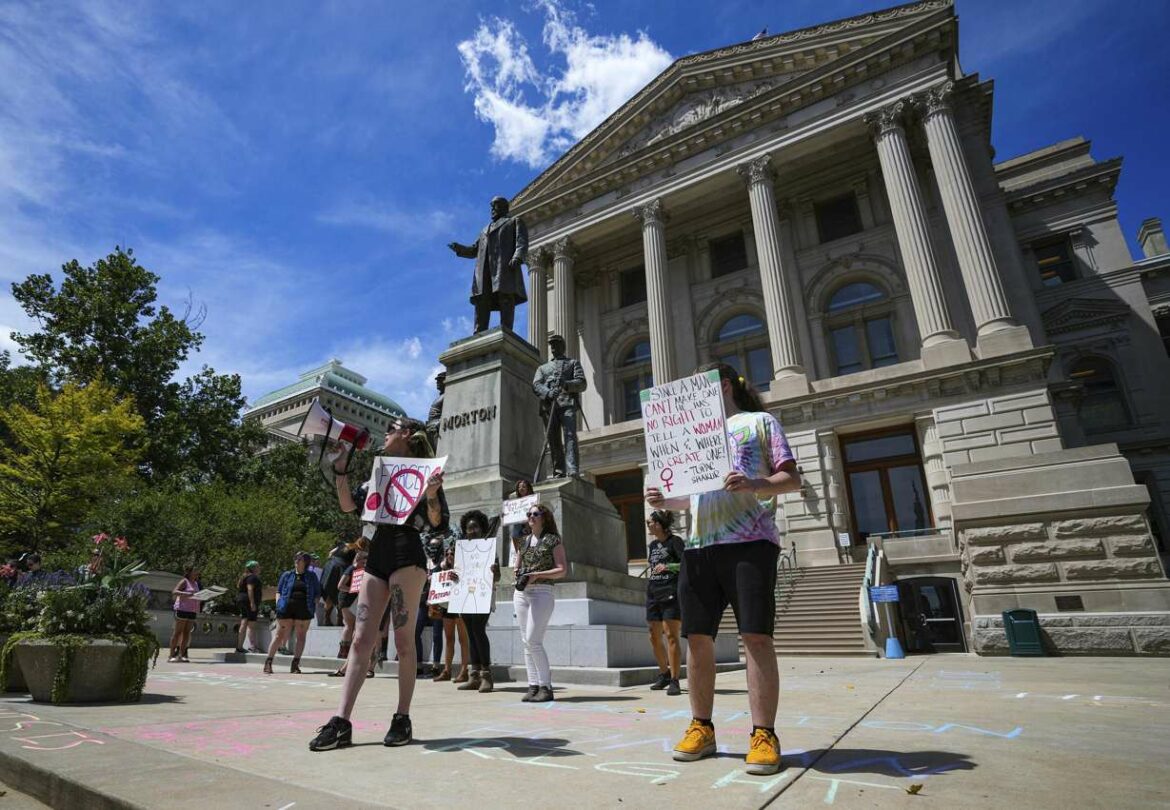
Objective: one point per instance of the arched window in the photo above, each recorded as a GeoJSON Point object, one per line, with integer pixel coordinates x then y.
{"type": "Point", "coordinates": [742, 342]}
{"type": "Point", "coordinates": [1103, 406]}
{"type": "Point", "coordinates": [860, 324]}
{"type": "Point", "coordinates": [633, 374]}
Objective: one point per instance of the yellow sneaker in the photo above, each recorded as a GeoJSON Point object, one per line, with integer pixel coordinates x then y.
{"type": "Point", "coordinates": [763, 757]}
{"type": "Point", "coordinates": [698, 742]}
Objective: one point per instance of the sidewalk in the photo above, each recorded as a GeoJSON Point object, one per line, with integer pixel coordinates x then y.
{"type": "Point", "coordinates": [973, 732]}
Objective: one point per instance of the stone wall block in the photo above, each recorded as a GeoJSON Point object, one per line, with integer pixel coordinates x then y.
{"type": "Point", "coordinates": [1132, 546]}
{"type": "Point", "coordinates": [999, 420]}
{"type": "Point", "coordinates": [1057, 550]}
{"type": "Point", "coordinates": [1008, 574]}
{"type": "Point", "coordinates": [1021, 401]}
{"type": "Point", "coordinates": [1091, 640]}
{"type": "Point", "coordinates": [987, 555]}
{"type": "Point", "coordinates": [991, 642]}
{"type": "Point", "coordinates": [957, 412]}
{"type": "Point", "coordinates": [1153, 641]}
{"type": "Point", "coordinates": [1123, 620]}
{"type": "Point", "coordinates": [1113, 569]}
{"type": "Point", "coordinates": [994, 535]}
{"type": "Point", "coordinates": [1100, 525]}
{"type": "Point", "coordinates": [967, 442]}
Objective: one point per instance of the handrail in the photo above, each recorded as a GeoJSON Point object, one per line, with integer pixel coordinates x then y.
{"type": "Point", "coordinates": [787, 572]}
{"type": "Point", "coordinates": [865, 608]}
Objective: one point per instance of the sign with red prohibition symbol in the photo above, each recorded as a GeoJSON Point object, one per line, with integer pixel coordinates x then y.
{"type": "Point", "coordinates": [396, 486]}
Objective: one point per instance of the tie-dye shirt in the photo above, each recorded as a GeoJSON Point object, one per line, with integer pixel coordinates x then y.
{"type": "Point", "coordinates": [758, 448]}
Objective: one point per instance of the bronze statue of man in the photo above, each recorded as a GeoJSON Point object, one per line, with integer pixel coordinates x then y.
{"type": "Point", "coordinates": [435, 417]}
{"type": "Point", "coordinates": [499, 252]}
{"type": "Point", "coordinates": [558, 384]}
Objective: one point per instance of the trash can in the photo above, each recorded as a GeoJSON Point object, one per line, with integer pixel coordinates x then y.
{"type": "Point", "coordinates": [1023, 632]}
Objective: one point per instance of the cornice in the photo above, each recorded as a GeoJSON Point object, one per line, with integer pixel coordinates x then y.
{"type": "Point", "coordinates": [1078, 314]}
{"type": "Point", "coordinates": [1104, 173]}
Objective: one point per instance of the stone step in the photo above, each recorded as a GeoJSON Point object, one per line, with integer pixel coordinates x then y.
{"type": "Point", "coordinates": [842, 652]}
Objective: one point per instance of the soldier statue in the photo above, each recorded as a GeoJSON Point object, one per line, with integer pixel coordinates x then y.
{"type": "Point", "coordinates": [559, 384]}
{"type": "Point", "coordinates": [435, 417]}
{"type": "Point", "coordinates": [499, 252]}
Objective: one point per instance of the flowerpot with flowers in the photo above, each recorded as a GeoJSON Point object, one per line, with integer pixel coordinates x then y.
{"type": "Point", "coordinates": [91, 641]}
{"type": "Point", "coordinates": [20, 607]}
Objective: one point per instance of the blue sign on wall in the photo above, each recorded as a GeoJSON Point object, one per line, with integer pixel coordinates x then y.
{"type": "Point", "coordinates": [883, 593]}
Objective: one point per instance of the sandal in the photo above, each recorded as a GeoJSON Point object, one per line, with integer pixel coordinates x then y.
{"type": "Point", "coordinates": [339, 673]}
{"type": "Point", "coordinates": [370, 673]}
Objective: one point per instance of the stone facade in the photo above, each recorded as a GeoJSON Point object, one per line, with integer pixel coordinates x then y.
{"type": "Point", "coordinates": [821, 209]}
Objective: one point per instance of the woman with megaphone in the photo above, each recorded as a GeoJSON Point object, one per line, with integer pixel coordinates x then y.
{"type": "Point", "coordinates": [392, 585]}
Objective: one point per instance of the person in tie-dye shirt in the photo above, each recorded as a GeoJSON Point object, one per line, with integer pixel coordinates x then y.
{"type": "Point", "coordinates": [731, 559]}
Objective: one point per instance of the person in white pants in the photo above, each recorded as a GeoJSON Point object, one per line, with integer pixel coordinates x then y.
{"type": "Point", "coordinates": [540, 562]}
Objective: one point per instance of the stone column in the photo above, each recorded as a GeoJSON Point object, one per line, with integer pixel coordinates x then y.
{"type": "Point", "coordinates": [941, 344]}
{"type": "Point", "coordinates": [836, 502]}
{"type": "Point", "coordinates": [788, 372]}
{"type": "Point", "coordinates": [538, 265]}
{"type": "Point", "coordinates": [564, 308]}
{"type": "Point", "coordinates": [653, 220]}
{"type": "Point", "coordinates": [981, 276]}
{"type": "Point", "coordinates": [937, 479]}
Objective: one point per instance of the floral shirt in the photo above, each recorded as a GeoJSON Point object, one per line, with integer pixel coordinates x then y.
{"type": "Point", "coordinates": [758, 449]}
{"type": "Point", "coordinates": [537, 555]}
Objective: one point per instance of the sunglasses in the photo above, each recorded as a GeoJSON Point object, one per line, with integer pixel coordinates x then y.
{"type": "Point", "coordinates": [535, 514]}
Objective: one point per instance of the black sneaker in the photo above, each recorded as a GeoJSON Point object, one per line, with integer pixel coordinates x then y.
{"type": "Point", "coordinates": [337, 733]}
{"type": "Point", "coordinates": [400, 732]}
{"type": "Point", "coordinates": [662, 682]}
{"type": "Point", "coordinates": [530, 694]}
{"type": "Point", "coordinates": [673, 689]}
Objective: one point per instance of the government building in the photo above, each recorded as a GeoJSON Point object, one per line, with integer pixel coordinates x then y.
{"type": "Point", "coordinates": [969, 364]}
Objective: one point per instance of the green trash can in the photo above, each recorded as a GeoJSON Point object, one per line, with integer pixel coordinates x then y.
{"type": "Point", "coordinates": [1023, 632]}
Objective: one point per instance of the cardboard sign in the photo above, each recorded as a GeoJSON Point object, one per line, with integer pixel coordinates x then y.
{"type": "Point", "coordinates": [473, 562]}
{"type": "Point", "coordinates": [516, 510]}
{"type": "Point", "coordinates": [396, 486]}
{"type": "Point", "coordinates": [439, 591]}
{"type": "Point", "coordinates": [686, 435]}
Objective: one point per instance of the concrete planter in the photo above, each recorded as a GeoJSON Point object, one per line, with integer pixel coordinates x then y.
{"type": "Point", "coordinates": [15, 675]}
{"type": "Point", "coordinates": [95, 676]}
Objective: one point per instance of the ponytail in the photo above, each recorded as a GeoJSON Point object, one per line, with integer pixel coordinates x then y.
{"type": "Point", "coordinates": [743, 393]}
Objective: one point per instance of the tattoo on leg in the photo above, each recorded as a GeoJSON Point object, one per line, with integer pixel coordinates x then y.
{"type": "Point", "coordinates": [398, 606]}
{"type": "Point", "coordinates": [363, 612]}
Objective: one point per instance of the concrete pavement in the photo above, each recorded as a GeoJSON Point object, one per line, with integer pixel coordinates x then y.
{"type": "Point", "coordinates": [973, 732]}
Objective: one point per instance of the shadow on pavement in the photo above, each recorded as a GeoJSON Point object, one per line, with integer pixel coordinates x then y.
{"type": "Point", "coordinates": [522, 747]}
{"type": "Point", "coordinates": [877, 761]}
{"type": "Point", "coordinates": [596, 698]}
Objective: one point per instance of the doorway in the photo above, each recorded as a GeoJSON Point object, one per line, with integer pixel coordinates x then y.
{"type": "Point", "coordinates": [932, 615]}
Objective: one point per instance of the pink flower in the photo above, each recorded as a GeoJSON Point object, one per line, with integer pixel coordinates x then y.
{"type": "Point", "coordinates": [98, 539]}
{"type": "Point", "coordinates": [121, 544]}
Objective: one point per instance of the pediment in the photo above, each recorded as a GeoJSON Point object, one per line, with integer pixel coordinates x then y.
{"type": "Point", "coordinates": [1077, 314]}
{"type": "Point", "coordinates": [711, 96]}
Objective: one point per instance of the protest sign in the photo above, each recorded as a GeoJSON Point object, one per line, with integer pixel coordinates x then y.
{"type": "Point", "coordinates": [440, 587]}
{"type": "Point", "coordinates": [396, 486]}
{"type": "Point", "coordinates": [516, 510]}
{"type": "Point", "coordinates": [209, 593]}
{"type": "Point", "coordinates": [686, 435]}
{"type": "Point", "coordinates": [473, 561]}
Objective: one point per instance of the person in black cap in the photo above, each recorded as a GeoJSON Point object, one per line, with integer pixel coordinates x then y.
{"type": "Point", "coordinates": [559, 384]}
{"type": "Point", "coordinates": [499, 252]}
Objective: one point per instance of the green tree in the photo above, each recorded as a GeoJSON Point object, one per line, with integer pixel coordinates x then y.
{"type": "Point", "coordinates": [18, 386]}
{"type": "Point", "coordinates": [67, 454]}
{"type": "Point", "coordinates": [104, 321]}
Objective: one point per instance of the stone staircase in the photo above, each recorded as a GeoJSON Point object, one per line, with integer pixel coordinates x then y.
{"type": "Point", "coordinates": [816, 613]}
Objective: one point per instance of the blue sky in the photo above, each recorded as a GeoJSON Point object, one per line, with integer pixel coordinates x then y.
{"type": "Point", "coordinates": [299, 166]}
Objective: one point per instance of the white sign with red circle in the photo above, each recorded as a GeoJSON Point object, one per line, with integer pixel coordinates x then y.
{"type": "Point", "coordinates": [396, 486]}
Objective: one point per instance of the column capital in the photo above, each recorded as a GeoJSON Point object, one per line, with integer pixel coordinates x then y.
{"type": "Point", "coordinates": [652, 213]}
{"type": "Point", "coordinates": [564, 248]}
{"type": "Point", "coordinates": [542, 257]}
{"type": "Point", "coordinates": [937, 99]}
{"type": "Point", "coordinates": [889, 118]}
{"type": "Point", "coordinates": [757, 171]}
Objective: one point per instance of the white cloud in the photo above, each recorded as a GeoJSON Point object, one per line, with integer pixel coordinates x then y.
{"type": "Point", "coordinates": [538, 115]}
{"type": "Point", "coordinates": [397, 368]}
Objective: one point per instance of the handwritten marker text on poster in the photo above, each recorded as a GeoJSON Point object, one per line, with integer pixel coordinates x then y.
{"type": "Point", "coordinates": [396, 486]}
{"type": "Point", "coordinates": [686, 435]}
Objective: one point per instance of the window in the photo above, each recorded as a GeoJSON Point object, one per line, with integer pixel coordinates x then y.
{"type": "Point", "coordinates": [634, 374]}
{"type": "Point", "coordinates": [742, 342]}
{"type": "Point", "coordinates": [625, 492]}
{"type": "Point", "coordinates": [1054, 260]}
{"type": "Point", "coordinates": [860, 324]}
{"type": "Point", "coordinates": [633, 286]}
{"type": "Point", "coordinates": [1103, 405]}
{"type": "Point", "coordinates": [728, 254]}
{"type": "Point", "coordinates": [837, 217]}
{"type": "Point", "coordinates": [887, 488]}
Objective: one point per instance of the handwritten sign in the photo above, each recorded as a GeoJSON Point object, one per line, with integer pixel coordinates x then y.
{"type": "Point", "coordinates": [686, 435]}
{"type": "Point", "coordinates": [516, 510]}
{"type": "Point", "coordinates": [473, 562]}
{"type": "Point", "coordinates": [396, 486]}
{"type": "Point", "coordinates": [440, 587]}
{"type": "Point", "coordinates": [209, 593]}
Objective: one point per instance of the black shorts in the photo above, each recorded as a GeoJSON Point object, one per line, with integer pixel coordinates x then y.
{"type": "Point", "coordinates": [246, 611]}
{"type": "Point", "coordinates": [740, 574]}
{"type": "Point", "coordinates": [347, 599]}
{"type": "Point", "coordinates": [189, 615]}
{"type": "Point", "coordinates": [392, 548]}
{"type": "Point", "coordinates": [662, 601]}
{"type": "Point", "coordinates": [297, 611]}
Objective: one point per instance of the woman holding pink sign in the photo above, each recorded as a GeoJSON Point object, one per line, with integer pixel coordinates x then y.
{"type": "Point", "coordinates": [396, 571]}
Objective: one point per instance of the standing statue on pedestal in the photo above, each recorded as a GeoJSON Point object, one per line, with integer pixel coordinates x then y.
{"type": "Point", "coordinates": [435, 417]}
{"type": "Point", "coordinates": [499, 252]}
{"type": "Point", "coordinates": [559, 384]}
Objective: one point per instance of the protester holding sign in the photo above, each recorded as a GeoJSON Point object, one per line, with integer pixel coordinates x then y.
{"type": "Point", "coordinates": [452, 622]}
{"type": "Point", "coordinates": [540, 562]}
{"type": "Point", "coordinates": [473, 525]}
{"type": "Point", "coordinates": [395, 572]}
{"type": "Point", "coordinates": [430, 615]}
{"type": "Point", "coordinates": [187, 609]}
{"type": "Point", "coordinates": [731, 559]}
{"type": "Point", "coordinates": [664, 556]}
{"type": "Point", "coordinates": [519, 530]}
